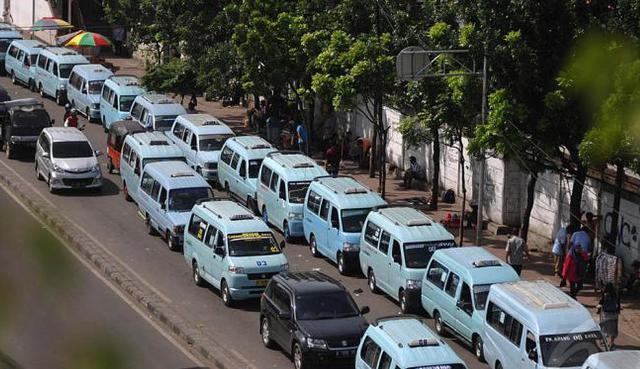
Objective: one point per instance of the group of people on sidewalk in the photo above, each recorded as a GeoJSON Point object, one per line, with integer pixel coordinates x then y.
{"type": "Point", "coordinates": [282, 127]}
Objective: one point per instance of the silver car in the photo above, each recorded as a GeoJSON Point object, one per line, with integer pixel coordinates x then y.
{"type": "Point", "coordinates": [66, 160]}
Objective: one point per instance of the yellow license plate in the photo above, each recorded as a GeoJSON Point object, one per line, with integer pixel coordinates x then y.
{"type": "Point", "coordinates": [262, 282]}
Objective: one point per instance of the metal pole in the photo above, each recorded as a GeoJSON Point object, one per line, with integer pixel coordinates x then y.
{"type": "Point", "coordinates": [482, 159]}
{"type": "Point", "coordinates": [33, 18]}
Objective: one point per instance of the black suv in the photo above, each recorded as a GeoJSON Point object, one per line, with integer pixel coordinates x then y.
{"type": "Point", "coordinates": [313, 318]}
{"type": "Point", "coordinates": [21, 122]}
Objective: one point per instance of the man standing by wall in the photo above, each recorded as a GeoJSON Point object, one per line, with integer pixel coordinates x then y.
{"type": "Point", "coordinates": [516, 252]}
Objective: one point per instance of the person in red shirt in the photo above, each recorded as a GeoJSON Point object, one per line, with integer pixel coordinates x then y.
{"type": "Point", "coordinates": [72, 120]}
{"type": "Point", "coordinates": [332, 155]}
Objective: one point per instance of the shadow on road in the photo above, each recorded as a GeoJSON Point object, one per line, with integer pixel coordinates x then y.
{"type": "Point", "coordinates": [109, 188]}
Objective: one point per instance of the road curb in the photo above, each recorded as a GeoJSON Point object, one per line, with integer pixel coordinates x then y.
{"type": "Point", "coordinates": [205, 346]}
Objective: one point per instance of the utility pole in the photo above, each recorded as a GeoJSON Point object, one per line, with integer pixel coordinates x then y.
{"type": "Point", "coordinates": [479, 219]}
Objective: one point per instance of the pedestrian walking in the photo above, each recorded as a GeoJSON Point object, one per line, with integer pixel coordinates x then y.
{"type": "Point", "coordinates": [574, 269]}
{"type": "Point", "coordinates": [72, 120]}
{"type": "Point", "coordinates": [516, 252]}
{"type": "Point", "coordinates": [193, 103]}
{"type": "Point", "coordinates": [118, 40]}
{"type": "Point", "coordinates": [582, 238]}
{"type": "Point", "coordinates": [559, 249]}
{"type": "Point", "coordinates": [609, 310]}
{"type": "Point", "coordinates": [67, 112]}
{"type": "Point", "coordinates": [608, 269]}
{"type": "Point", "coordinates": [301, 135]}
{"type": "Point", "coordinates": [332, 156]}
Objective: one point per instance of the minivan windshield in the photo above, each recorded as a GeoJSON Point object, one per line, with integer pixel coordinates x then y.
{"type": "Point", "coordinates": [252, 244]}
{"type": "Point", "coordinates": [297, 191]}
{"type": "Point", "coordinates": [353, 219]}
{"type": "Point", "coordinates": [212, 142]}
{"type": "Point", "coordinates": [31, 119]}
{"type": "Point", "coordinates": [333, 305]}
{"type": "Point", "coordinates": [95, 87]}
{"type": "Point", "coordinates": [65, 70]}
{"type": "Point", "coordinates": [72, 149]}
{"type": "Point", "coordinates": [254, 167]}
{"type": "Point", "coordinates": [183, 199]}
{"type": "Point", "coordinates": [571, 349]}
{"type": "Point", "coordinates": [418, 254]}
{"type": "Point", "coordinates": [480, 294]}
{"type": "Point", "coordinates": [126, 102]}
{"type": "Point", "coordinates": [164, 122]}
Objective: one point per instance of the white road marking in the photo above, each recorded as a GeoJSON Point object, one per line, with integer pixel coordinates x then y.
{"type": "Point", "coordinates": [107, 282]}
{"type": "Point", "coordinates": [29, 184]}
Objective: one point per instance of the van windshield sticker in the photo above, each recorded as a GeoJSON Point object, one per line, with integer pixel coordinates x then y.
{"type": "Point", "coordinates": [572, 337]}
{"type": "Point", "coordinates": [249, 236]}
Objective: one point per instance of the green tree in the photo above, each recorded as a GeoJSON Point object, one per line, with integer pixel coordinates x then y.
{"type": "Point", "coordinates": [176, 76]}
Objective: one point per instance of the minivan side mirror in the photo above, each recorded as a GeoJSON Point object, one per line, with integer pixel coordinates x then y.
{"type": "Point", "coordinates": [533, 355]}
{"type": "Point", "coordinates": [282, 245]}
{"type": "Point", "coordinates": [219, 250]}
{"type": "Point", "coordinates": [397, 259]}
{"type": "Point", "coordinates": [364, 310]}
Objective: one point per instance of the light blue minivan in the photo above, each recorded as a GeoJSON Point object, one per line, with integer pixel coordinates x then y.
{"type": "Point", "coordinates": [155, 112]}
{"type": "Point", "coordinates": [8, 34]}
{"type": "Point", "coordinates": [334, 214]}
{"type": "Point", "coordinates": [233, 250]}
{"type": "Point", "coordinates": [239, 165]}
{"type": "Point", "coordinates": [284, 180]}
{"type": "Point", "coordinates": [118, 93]}
{"type": "Point", "coordinates": [395, 248]}
{"type": "Point", "coordinates": [140, 149]}
{"type": "Point", "coordinates": [455, 289]}
{"type": "Point", "coordinates": [20, 61]}
{"type": "Point", "coordinates": [404, 342]}
{"type": "Point", "coordinates": [53, 68]}
{"type": "Point", "coordinates": [167, 192]}
{"type": "Point", "coordinates": [84, 88]}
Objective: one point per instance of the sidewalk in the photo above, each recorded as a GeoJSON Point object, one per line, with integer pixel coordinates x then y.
{"type": "Point", "coordinates": [539, 265]}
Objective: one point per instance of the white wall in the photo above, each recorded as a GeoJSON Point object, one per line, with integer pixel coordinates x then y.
{"type": "Point", "coordinates": [22, 12]}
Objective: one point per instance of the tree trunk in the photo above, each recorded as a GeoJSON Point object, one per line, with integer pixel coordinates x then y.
{"type": "Point", "coordinates": [613, 235]}
{"type": "Point", "coordinates": [575, 204]}
{"type": "Point", "coordinates": [531, 192]}
{"type": "Point", "coordinates": [435, 185]}
{"type": "Point", "coordinates": [383, 151]}
{"type": "Point", "coordinates": [464, 190]}
{"type": "Point", "coordinates": [373, 153]}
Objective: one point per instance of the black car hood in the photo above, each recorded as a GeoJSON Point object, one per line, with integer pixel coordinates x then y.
{"type": "Point", "coordinates": [334, 328]}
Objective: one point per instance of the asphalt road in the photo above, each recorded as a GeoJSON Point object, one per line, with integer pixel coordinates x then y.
{"type": "Point", "coordinates": [107, 218]}
{"type": "Point", "coordinates": [58, 314]}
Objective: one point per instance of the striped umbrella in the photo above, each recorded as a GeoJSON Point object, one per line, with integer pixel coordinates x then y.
{"type": "Point", "coordinates": [50, 23]}
{"type": "Point", "coordinates": [89, 39]}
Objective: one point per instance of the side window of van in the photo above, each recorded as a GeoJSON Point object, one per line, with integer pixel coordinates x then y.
{"type": "Point", "coordinates": [163, 196]}
{"type": "Point", "coordinates": [210, 237]}
{"type": "Point", "coordinates": [126, 152]}
{"type": "Point", "coordinates": [194, 142]}
{"type": "Point", "coordinates": [27, 60]}
{"type": "Point", "coordinates": [313, 203]}
{"type": "Point", "coordinates": [136, 110]}
{"type": "Point", "coordinates": [324, 209]}
{"type": "Point", "coordinates": [105, 92]}
{"type": "Point", "coordinates": [385, 240]}
{"type": "Point", "coordinates": [155, 190]}
{"type": "Point", "coordinates": [370, 352]}
{"type": "Point", "coordinates": [385, 361]}
{"type": "Point", "coordinates": [42, 60]}
{"type": "Point", "coordinates": [12, 51]}
{"type": "Point", "coordinates": [234, 161]}
{"type": "Point", "coordinates": [465, 298]}
{"type": "Point", "coordinates": [282, 191]}
{"type": "Point", "coordinates": [147, 183]}
{"type": "Point", "coordinates": [335, 220]}
{"type": "Point", "coordinates": [265, 176]}
{"type": "Point", "coordinates": [437, 274]}
{"type": "Point", "coordinates": [143, 115]}
{"type": "Point", "coordinates": [274, 181]}
{"type": "Point", "coordinates": [178, 130]}
{"type": "Point", "coordinates": [20, 55]}
{"type": "Point", "coordinates": [197, 227]}
{"type": "Point", "coordinates": [504, 323]}
{"type": "Point", "coordinates": [225, 155]}
{"type": "Point", "coordinates": [372, 234]}
{"type": "Point", "coordinates": [395, 252]}
{"type": "Point", "coordinates": [185, 135]}
{"type": "Point", "coordinates": [452, 284]}
{"type": "Point", "coordinates": [112, 98]}
{"type": "Point", "coordinates": [242, 170]}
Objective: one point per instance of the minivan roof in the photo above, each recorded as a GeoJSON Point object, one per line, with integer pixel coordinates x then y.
{"type": "Point", "coordinates": [175, 174]}
{"type": "Point", "coordinates": [307, 283]}
{"type": "Point", "coordinates": [613, 360]}
{"type": "Point", "coordinates": [478, 265]}
{"type": "Point", "coordinates": [61, 134]}
{"type": "Point", "coordinates": [232, 217]}
{"type": "Point", "coordinates": [346, 192]}
{"type": "Point", "coordinates": [29, 45]}
{"type": "Point", "coordinates": [409, 224]}
{"type": "Point", "coordinates": [128, 84]}
{"type": "Point", "coordinates": [294, 167]}
{"type": "Point", "coordinates": [163, 105]}
{"type": "Point", "coordinates": [205, 124]}
{"type": "Point", "coordinates": [415, 343]}
{"type": "Point", "coordinates": [542, 306]}
{"type": "Point", "coordinates": [154, 145]}
{"type": "Point", "coordinates": [255, 147]}
{"type": "Point", "coordinates": [96, 71]}
{"type": "Point", "coordinates": [65, 55]}
{"type": "Point", "coordinates": [9, 31]}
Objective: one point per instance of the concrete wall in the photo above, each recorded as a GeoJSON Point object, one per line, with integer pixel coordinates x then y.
{"type": "Point", "coordinates": [23, 12]}
{"type": "Point", "coordinates": [505, 187]}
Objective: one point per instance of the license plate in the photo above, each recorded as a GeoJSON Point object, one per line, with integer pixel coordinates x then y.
{"type": "Point", "coordinates": [345, 353]}
{"type": "Point", "coordinates": [262, 282]}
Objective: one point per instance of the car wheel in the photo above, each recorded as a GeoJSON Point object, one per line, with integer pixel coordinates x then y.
{"type": "Point", "coordinates": [13, 78]}
{"type": "Point", "coordinates": [342, 266]}
{"type": "Point", "coordinates": [88, 116]}
{"type": "Point", "coordinates": [285, 231]}
{"type": "Point", "coordinates": [150, 230]}
{"type": "Point", "coordinates": [51, 188]}
{"type": "Point", "coordinates": [196, 274]}
{"type": "Point", "coordinates": [250, 205]}
{"type": "Point", "coordinates": [171, 244]}
{"type": "Point", "coordinates": [477, 348]}
{"type": "Point", "coordinates": [32, 86]}
{"type": "Point", "coordinates": [498, 365]}
{"type": "Point", "coordinates": [371, 281]}
{"type": "Point", "coordinates": [59, 100]}
{"type": "Point", "coordinates": [265, 216]}
{"type": "Point", "coordinates": [439, 324]}
{"type": "Point", "coordinates": [313, 246]}
{"type": "Point", "coordinates": [265, 333]}
{"type": "Point", "coordinates": [125, 191]}
{"type": "Point", "coordinates": [38, 175]}
{"type": "Point", "coordinates": [226, 294]}
{"type": "Point", "coordinates": [9, 151]}
{"type": "Point", "coordinates": [41, 90]}
{"type": "Point", "coordinates": [299, 359]}
{"type": "Point", "coordinates": [227, 191]}
{"type": "Point", "coordinates": [404, 305]}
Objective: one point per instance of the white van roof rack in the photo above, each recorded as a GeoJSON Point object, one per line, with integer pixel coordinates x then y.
{"type": "Point", "coordinates": [158, 143]}
{"type": "Point", "coordinates": [424, 342]}
{"type": "Point", "coordinates": [245, 216]}
{"type": "Point", "coordinates": [418, 222]}
{"type": "Point", "coordinates": [181, 174]}
{"type": "Point", "coordinates": [486, 263]}
{"type": "Point", "coordinates": [355, 190]}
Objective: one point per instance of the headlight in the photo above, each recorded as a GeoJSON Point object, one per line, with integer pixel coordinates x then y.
{"type": "Point", "coordinates": [284, 267]}
{"type": "Point", "coordinates": [236, 269]}
{"type": "Point", "coordinates": [349, 247]}
{"type": "Point", "coordinates": [57, 168]}
{"type": "Point", "coordinates": [295, 216]}
{"type": "Point", "coordinates": [313, 343]}
{"type": "Point", "coordinates": [414, 284]}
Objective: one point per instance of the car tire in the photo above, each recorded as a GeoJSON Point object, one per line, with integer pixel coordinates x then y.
{"type": "Point", "coordinates": [227, 191]}
{"type": "Point", "coordinates": [170, 243]}
{"type": "Point", "coordinates": [250, 205]}
{"type": "Point", "coordinates": [38, 175]}
{"type": "Point", "coordinates": [32, 86]}
{"type": "Point", "coordinates": [342, 264]}
{"type": "Point", "coordinates": [41, 91]}
{"type": "Point", "coordinates": [88, 116]}
{"type": "Point", "coordinates": [265, 333]}
{"type": "Point", "coordinates": [404, 304]}
{"type": "Point", "coordinates": [226, 294]}
{"type": "Point", "coordinates": [313, 246]}
{"type": "Point", "coordinates": [9, 151]}
{"type": "Point", "coordinates": [286, 232]}
{"type": "Point", "coordinates": [125, 192]}
{"type": "Point", "coordinates": [59, 100]}
{"type": "Point", "coordinates": [298, 357]}
{"type": "Point", "coordinates": [51, 188]}
{"type": "Point", "coordinates": [478, 349]}
{"type": "Point", "coordinates": [439, 324]}
{"type": "Point", "coordinates": [195, 274]}
{"type": "Point", "coordinates": [151, 231]}
{"type": "Point", "coordinates": [371, 281]}
{"type": "Point", "coordinates": [265, 215]}
{"type": "Point", "coordinates": [13, 78]}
